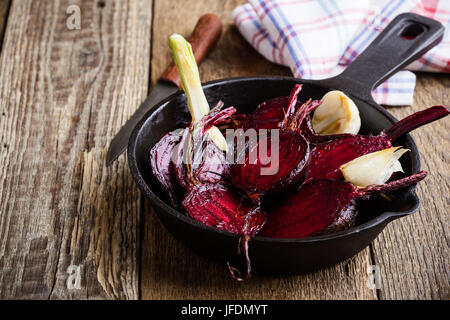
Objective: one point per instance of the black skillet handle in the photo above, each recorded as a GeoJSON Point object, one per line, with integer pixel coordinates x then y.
{"type": "Point", "coordinates": [404, 40]}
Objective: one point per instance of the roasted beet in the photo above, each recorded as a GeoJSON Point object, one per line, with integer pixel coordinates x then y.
{"type": "Point", "coordinates": [270, 114]}
{"type": "Point", "coordinates": [222, 208]}
{"type": "Point", "coordinates": [267, 115]}
{"type": "Point", "coordinates": [191, 160]}
{"type": "Point", "coordinates": [287, 167]}
{"type": "Point", "coordinates": [326, 158]}
{"type": "Point", "coordinates": [268, 166]}
{"type": "Point", "coordinates": [219, 207]}
{"type": "Point", "coordinates": [322, 206]}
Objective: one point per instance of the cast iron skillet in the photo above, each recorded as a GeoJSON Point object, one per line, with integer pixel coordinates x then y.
{"type": "Point", "coordinates": [405, 39]}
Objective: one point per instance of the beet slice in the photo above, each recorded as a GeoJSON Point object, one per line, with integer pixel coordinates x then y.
{"type": "Point", "coordinates": [291, 162]}
{"type": "Point", "coordinates": [322, 206]}
{"type": "Point", "coordinates": [267, 115]}
{"type": "Point", "coordinates": [271, 113]}
{"type": "Point", "coordinates": [293, 152]}
{"type": "Point", "coordinates": [326, 158]}
{"type": "Point", "coordinates": [217, 206]}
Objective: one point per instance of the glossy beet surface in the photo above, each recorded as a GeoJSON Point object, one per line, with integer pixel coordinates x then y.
{"type": "Point", "coordinates": [218, 206]}
{"type": "Point", "coordinates": [259, 178]}
{"type": "Point", "coordinates": [311, 210]}
{"type": "Point", "coordinates": [290, 156]}
{"type": "Point", "coordinates": [322, 206]}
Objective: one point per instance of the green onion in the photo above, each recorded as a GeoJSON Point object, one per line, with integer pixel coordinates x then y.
{"type": "Point", "coordinates": [190, 82]}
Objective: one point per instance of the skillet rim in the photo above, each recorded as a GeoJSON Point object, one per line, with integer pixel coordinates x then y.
{"type": "Point", "coordinates": [384, 217]}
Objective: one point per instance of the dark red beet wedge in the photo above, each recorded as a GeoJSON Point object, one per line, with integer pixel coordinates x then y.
{"type": "Point", "coordinates": [267, 115]}
{"type": "Point", "coordinates": [287, 168]}
{"type": "Point", "coordinates": [323, 206]}
{"type": "Point", "coordinates": [219, 207]}
{"type": "Point", "coordinates": [259, 176]}
{"type": "Point", "coordinates": [326, 158]}
{"type": "Point", "coordinates": [271, 114]}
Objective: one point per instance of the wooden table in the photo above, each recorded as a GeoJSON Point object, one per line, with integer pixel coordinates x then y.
{"type": "Point", "coordinates": [71, 228]}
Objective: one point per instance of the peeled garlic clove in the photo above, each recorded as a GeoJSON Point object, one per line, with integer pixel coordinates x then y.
{"type": "Point", "coordinates": [373, 168]}
{"type": "Point", "coordinates": [336, 114]}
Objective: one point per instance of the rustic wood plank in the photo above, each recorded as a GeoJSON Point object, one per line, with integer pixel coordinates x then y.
{"type": "Point", "coordinates": [413, 252]}
{"type": "Point", "coordinates": [4, 8]}
{"type": "Point", "coordinates": [171, 271]}
{"type": "Point", "coordinates": [63, 95]}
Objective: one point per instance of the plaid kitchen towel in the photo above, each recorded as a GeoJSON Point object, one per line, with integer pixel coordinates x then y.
{"type": "Point", "coordinates": [318, 38]}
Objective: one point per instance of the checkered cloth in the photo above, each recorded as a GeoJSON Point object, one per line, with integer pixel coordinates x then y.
{"type": "Point", "coordinates": [318, 38]}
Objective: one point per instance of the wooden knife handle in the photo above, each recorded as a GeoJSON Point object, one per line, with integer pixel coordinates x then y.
{"type": "Point", "coordinates": [204, 37]}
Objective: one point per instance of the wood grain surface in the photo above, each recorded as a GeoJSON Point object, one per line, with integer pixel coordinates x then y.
{"type": "Point", "coordinates": [4, 10]}
{"type": "Point", "coordinates": [413, 252]}
{"type": "Point", "coordinates": [65, 217]}
{"type": "Point", "coordinates": [63, 95]}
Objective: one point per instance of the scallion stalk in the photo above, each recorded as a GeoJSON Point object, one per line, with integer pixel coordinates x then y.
{"type": "Point", "coordinates": [190, 81]}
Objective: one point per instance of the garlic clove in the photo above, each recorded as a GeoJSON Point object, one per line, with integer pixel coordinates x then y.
{"type": "Point", "coordinates": [336, 114]}
{"type": "Point", "coordinates": [373, 168]}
